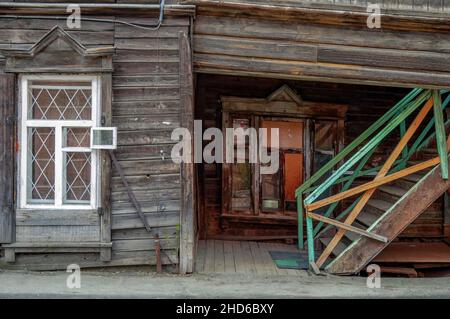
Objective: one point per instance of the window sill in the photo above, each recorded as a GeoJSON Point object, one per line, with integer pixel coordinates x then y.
{"type": "Point", "coordinates": [59, 245]}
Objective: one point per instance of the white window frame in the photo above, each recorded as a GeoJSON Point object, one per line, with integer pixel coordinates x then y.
{"type": "Point", "coordinates": [25, 123]}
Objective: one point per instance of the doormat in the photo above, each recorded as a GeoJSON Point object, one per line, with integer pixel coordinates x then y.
{"type": "Point", "coordinates": [290, 260]}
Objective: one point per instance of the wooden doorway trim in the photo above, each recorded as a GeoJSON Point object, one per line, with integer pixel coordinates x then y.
{"type": "Point", "coordinates": [284, 103]}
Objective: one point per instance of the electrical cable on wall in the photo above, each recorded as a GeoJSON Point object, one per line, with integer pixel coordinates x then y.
{"type": "Point", "coordinates": [134, 25]}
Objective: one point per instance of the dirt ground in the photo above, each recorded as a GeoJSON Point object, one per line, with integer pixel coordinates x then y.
{"type": "Point", "coordinates": [144, 284]}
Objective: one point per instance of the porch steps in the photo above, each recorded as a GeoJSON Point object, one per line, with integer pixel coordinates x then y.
{"type": "Point", "coordinates": [393, 208]}
{"type": "Point", "coordinates": [339, 249]}
{"type": "Point", "coordinates": [385, 205]}
{"type": "Point", "coordinates": [407, 209]}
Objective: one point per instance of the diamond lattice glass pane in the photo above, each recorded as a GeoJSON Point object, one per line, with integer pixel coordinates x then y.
{"type": "Point", "coordinates": [60, 101]}
{"type": "Point", "coordinates": [76, 136]}
{"type": "Point", "coordinates": [78, 177]}
{"type": "Point", "coordinates": [41, 164]}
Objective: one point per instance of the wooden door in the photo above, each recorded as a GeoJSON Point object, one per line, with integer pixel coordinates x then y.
{"type": "Point", "coordinates": [278, 189]}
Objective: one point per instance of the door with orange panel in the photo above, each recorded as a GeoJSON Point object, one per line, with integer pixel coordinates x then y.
{"type": "Point", "coordinates": [278, 189]}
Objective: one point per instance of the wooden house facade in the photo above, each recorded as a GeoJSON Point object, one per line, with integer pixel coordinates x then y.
{"type": "Point", "coordinates": [312, 69]}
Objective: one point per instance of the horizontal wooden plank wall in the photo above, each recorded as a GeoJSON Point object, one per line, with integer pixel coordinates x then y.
{"type": "Point", "coordinates": [227, 43]}
{"type": "Point", "coordinates": [97, 1]}
{"type": "Point", "coordinates": [146, 108]}
{"type": "Point", "coordinates": [416, 5]}
{"type": "Point", "coordinates": [413, 5]}
{"type": "Point", "coordinates": [404, 5]}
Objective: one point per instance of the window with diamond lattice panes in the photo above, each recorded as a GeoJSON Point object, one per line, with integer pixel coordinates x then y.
{"type": "Point", "coordinates": [58, 168]}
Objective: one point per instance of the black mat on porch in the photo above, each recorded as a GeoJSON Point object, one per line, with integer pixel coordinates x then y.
{"type": "Point", "coordinates": [290, 260]}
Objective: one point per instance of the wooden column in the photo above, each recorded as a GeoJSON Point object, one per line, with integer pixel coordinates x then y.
{"type": "Point", "coordinates": [7, 133]}
{"type": "Point", "coordinates": [105, 218]}
{"type": "Point", "coordinates": [187, 235]}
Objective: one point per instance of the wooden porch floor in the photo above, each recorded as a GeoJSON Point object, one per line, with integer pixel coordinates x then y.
{"type": "Point", "coordinates": [246, 257]}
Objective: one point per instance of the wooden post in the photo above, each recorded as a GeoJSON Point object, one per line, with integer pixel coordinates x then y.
{"type": "Point", "coordinates": [105, 216]}
{"type": "Point", "coordinates": [405, 150]}
{"type": "Point", "coordinates": [440, 133]}
{"type": "Point", "coordinates": [158, 254]}
{"type": "Point", "coordinates": [300, 221]}
{"type": "Point", "coordinates": [7, 138]}
{"type": "Point", "coordinates": [10, 255]}
{"type": "Point", "coordinates": [447, 216]}
{"type": "Point", "coordinates": [310, 239]}
{"type": "Point", "coordinates": [308, 160]}
{"type": "Point", "coordinates": [187, 231]}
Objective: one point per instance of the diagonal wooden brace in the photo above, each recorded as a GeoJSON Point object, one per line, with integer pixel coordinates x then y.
{"type": "Point", "coordinates": [347, 227]}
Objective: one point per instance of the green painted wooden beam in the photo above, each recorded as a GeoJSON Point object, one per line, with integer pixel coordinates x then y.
{"type": "Point", "coordinates": [310, 239]}
{"type": "Point", "coordinates": [441, 137]}
{"type": "Point", "coordinates": [423, 140]}
{"type": "Point", "coordinates": [346, 186]}
{"type": "Point", "coordinates": [420, 143]}
{"type": "Point", "coordinates": [405, 149]}
{"type": "Point", "coordinates": [395, 117]}
{"type": "Point", "coordinates": [369, 146]}
{"type": "Point", "coordinates": [348, 149]}
{"type": "Point", "coordinates": [300, 221]}
{"type": "Point", "coordinates": [394, 111]}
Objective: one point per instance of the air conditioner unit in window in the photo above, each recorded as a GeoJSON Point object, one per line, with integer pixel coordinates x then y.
{"type": "Point", "coordinates": [104, 138]}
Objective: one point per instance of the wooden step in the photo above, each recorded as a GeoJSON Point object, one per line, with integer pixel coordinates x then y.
{"type": "Point", "coordinates": [367, 218]}
{"type": "Point", "coordinates": [392, 194]}
{"type": "Point", "coordinates": [389, 193]}
{"type": "Point", "coordinates": [408, 181]}
{"type": "Point", "coordinates": [415, 178]}
{"type": "Point", "coordinates": [351, 236]}
{"type": "Point", "coordinates": [340, 247]}
{"type": "Point", "coordinates": [426, 154]}
{"type": "Point", "coordinates": [377, 206]}
{"type": "Point", "coordinates": [429, 151]}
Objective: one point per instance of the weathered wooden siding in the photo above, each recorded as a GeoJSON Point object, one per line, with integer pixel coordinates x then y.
{"type": "Point", "coordinates": [97, 1]}
{"type": "Point", "coordinates": [7, 100]}
{"type": "Point", "coordinates": [146, 108]}
{"type": "Point", "coordinates": [234, 43]}
{"type": "Point", "coordinates": [413, 5]}
{"type": "Point", "coordinates": [404, 5]}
